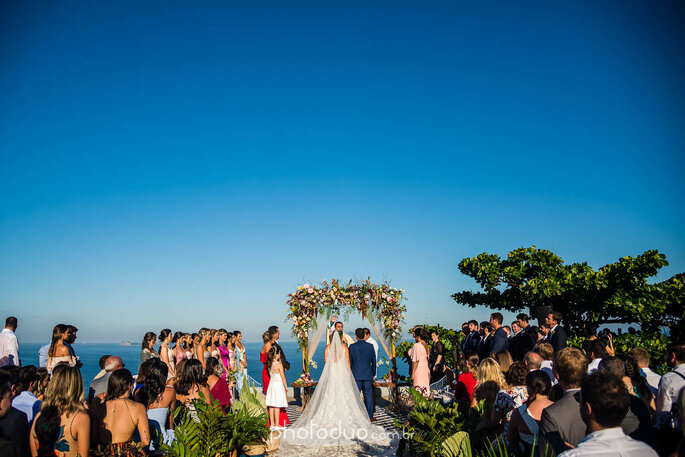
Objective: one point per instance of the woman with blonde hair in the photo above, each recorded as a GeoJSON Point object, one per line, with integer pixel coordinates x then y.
{"type": "Point", "coordinates": [62, 426]}
{"type": "Point", "coordinates": [491, 387]}
{"type": "Point", "coordinates": [504, 359]}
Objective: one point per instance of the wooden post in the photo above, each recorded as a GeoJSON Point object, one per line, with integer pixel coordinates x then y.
{"type": "Point", "coordinates": [305, 362]}
{"type": "Point", "coordinates": [395, 377]}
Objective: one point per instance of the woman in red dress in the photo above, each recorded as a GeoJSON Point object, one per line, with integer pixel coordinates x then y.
{"type": "Point", "coordinates": [268, 339]}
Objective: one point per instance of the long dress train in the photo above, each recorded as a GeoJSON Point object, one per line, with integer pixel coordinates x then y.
{"type": "Point", "coordinates": [335, 421]}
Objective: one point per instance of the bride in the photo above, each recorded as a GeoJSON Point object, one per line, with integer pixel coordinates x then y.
{"type": "Point", "coordinates": [335, 421]}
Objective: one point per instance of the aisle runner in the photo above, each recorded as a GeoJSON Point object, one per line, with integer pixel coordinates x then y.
{"type": "Point", "coordinates": [386, 418]}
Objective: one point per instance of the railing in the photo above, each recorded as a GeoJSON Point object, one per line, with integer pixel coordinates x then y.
{"type": "Point", "coordinates": [440, 384]}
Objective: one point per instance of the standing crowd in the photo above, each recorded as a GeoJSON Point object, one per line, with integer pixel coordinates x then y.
{"type": "Point", "coordinates": [47, 410]}
{"type": "Point", "coordinates": [590, 401]}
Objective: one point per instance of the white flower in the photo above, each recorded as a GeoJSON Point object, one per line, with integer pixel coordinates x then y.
{"type": "Point", "coordinates": [311, 290]}
{"type": "Point", "coordinates": [313, 364]}
{"type": "Point", "coordinates": [306, 286]}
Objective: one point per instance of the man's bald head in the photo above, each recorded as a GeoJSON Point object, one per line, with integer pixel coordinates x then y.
{"type": "Point", "coordinates": [532, 360]}
{"type": "Point", "coordinates": [113, 363]}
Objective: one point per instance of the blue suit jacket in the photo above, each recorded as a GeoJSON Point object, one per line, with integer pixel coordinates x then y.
{"type": "Point", "coordinates": [500, 342]}
{"type": "Point", "coordinates": [362, 361]}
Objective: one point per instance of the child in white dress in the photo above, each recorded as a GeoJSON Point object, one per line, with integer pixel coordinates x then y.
{"type": "Point", "coordinates": [277, 393]}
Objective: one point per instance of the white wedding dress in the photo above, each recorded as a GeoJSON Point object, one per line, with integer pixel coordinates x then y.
{"type": "Point", "coordinates": [335, 421]}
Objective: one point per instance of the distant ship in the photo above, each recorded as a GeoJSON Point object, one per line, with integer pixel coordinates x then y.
{"type": "Point", "coordinates": [126, 343]}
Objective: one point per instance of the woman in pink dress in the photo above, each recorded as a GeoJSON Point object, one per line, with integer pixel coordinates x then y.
{"type": "Point", "coordinates": [224, 353]}
{"type": "Point", "coordinates": [420, 372]}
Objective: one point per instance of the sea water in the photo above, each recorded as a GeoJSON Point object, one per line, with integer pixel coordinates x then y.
{"type": "Point", "coordinates": [90, 356]}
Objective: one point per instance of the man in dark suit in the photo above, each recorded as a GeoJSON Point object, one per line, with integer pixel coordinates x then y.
{"type": "Point", "coordinates": [472, 339]}
{"type": "Point", "coordinates": [557, 334]}
{"type": "Point", "coordinates": [276, 333]}
{"type": "Point", "coordinates": [561, 425]}
{"type": "Point", "coordinates": [484, 347]}
{"type": "Point", "coordinates": [500, 342]}
{"type": "Point", "coordinates": [14, 426]}
{"type": "Point", "coordinates": [363, 366]}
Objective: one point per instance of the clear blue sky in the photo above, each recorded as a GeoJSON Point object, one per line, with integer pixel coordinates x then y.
{"type": "Point", "coordinates": [180, 164]}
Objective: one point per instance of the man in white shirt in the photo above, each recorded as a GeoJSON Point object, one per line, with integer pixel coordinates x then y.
{"type": "Point", "coordinates": [26, 401]}
{"type": "Point", "coordinates": [670, 385]}
{"type": "Point", "coordinates": [604, 402]}
{"type": "Point", "coordinates": [596, 351]}
{"type": "Point", "coordinates": [641, 357]}
{"type": "Point", "coordinates": [9, 346]}
{"type": "Point", "coordinates": [374, 343]}
{"type": "Point", "coordinates": [43, 355]}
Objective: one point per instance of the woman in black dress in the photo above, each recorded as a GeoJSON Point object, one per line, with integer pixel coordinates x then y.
{"type": "Point", "coordinates": [436, 359]}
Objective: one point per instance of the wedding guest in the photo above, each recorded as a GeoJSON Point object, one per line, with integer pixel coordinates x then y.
{"type": "Point", "coordinates": [557, 334]}
{"type": "Point", "coordinates": [546, 351]}
{"type": "Point", "coordinates": [603, 404]}
{"type": "Point", "coordinates": [275, 334]}
{"type": "Point", "coordinates": [637, 421]}
{"type": "Point", "coordinates": [59, 352]}
{"type": "Point", "coordinates": [63, 426]}
{"type": "Point", "coordinates": [491, 387]}
{"type": "Point", "coordinates": [232, 354]}
{"type": "Point", "coordinates": [504, 359]}
{"type": "Point", "coordinates": [467, 380]}
{"type": "Point", "coordinates": [43, 380]}
{"type": "Point", "coordinates": [142, 374]}
{"type": "Point", "coordinates": [369, 339]}
{"type": "Point", "coordinates": [201, 351]}
{"type": "Point", "coordinates": [193, 341]}
{"type": "Point", "coordinates": [218, 386]}
{"type": "Point", "coordinates": [117, 420]}
{"type": "Point", "coordinates": [241, 357]}
{"type": "Point", "coordinates": [191, 383]}
{"type": "Point", "coordinates": [472, 338]}
{"type": "Point", "coordinates": [533, 361]}
{"type": "Point", "coordinates": [516, 380]}
{"type": "Point", "coordinates": [6, 446]}
{"type": "Point", "coordinates": [179, 346]}
{"type": "Point", "coordinates": [148, 348]}
{"type": "Point", "coordinates": [436, 358]}
{"type": "Point", "coordinates": [499, 338]}
{"type": "Point", "coordinates": [277, 394]}
{"type": "Point", "coordinates": [166, 355]}
{"type": "Point", "coordinates": [543, 333]}
{"type": "Point", "coordinates": [507, 330]}
{"type": "Point", "coordinates": [69, 341]}
{"type": "Point", "coordinates": [9, 345]}
{"type": "Point", "coordinates": [43, 355]}
{"type": "Point", "coordinates": [26, 401]}
{"type": "Point", "coordinates": [346, 339]}
{"type": "Point", "coordinates": [98, 386]}
{"type": "Point", "coordinates": [267, 338]}
{"type": "Point", "coordinates": [636, 384]}
{"type": "Point", "coordinates": [524, 424]}
{"type": "Point", "coordinates": [224, 353]}
{"type": "Point", "coordinates": [560, 424]}
{"type": "Point", "coordinates": [641, 357]}
{"type": "Point", "coordinates": [15, 424]}
{"type": "Point", "coordinates": [485, 342]}
{"type": "Point", "coordinates": [420, 373]}
{"type": "Point", "coordinates": [101, 364]}
{"type": "Point", "coordinates": [158, 398]}
{"type": "Point", "coordinates": [596, 350]}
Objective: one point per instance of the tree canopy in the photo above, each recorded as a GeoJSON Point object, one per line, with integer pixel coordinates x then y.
{"type": "Point", "coordinates": [617, 292]}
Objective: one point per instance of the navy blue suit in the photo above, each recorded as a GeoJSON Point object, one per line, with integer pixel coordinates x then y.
{"type": "Point", "coordinates": [500, 342]}
{"type": "Point", "coordinates": [363, 365]}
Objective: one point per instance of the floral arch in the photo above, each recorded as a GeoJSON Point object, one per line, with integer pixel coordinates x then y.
{"type": "Point", "coordinates": [374, 302]}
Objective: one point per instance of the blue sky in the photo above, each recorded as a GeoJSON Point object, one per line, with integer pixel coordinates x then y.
{"type": "Point", "coordinates": [175, 164]}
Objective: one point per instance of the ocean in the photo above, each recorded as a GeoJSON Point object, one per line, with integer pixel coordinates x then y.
{"type": "Point", "coordinates": [90, 355]}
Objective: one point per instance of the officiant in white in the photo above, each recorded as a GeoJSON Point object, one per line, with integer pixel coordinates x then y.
{"type": "Point", "coordinates": [336, 325]}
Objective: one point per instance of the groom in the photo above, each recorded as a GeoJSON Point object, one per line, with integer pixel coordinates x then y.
{"type": "Point", "coordinates": [363, 365]}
